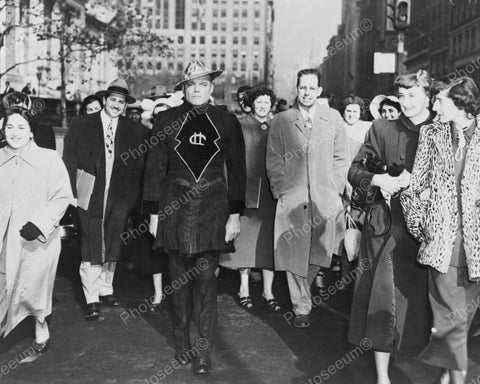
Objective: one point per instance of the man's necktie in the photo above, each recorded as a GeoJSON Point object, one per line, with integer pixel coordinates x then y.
{"type": "Point", "coordinates": [109, 140]}
{"type": "Point", "coordinates": [308, 123]}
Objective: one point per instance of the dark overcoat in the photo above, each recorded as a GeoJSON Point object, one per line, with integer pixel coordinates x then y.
{"type": "Point", "coordinates": [390, 303]}
{"type": "Point", "coordinates": [254, 246]}
{"type": "Point", "coordinates": [84, 148]}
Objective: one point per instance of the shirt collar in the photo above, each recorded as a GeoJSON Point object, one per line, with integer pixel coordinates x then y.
{"type": "Point", "coordinates": [310, 113]}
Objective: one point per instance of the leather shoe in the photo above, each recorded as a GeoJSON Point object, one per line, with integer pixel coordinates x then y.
{"type": "Point", "coordinates": [202, 365]}
{"type": "Point", "coordinates": [109, 301]}
{"type": "Point", "coordinates": [184, 356]}
{"type": "Point", "coordinates": [39, 349]}
{"type": "Point", "coordinates": [301, 321]}
{"type": "Point", "coordinates": [93, 311]}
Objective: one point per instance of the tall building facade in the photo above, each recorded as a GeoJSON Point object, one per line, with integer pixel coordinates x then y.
{"type": "Point", "coordinates": [232, 35]}
{"type": "Point", "coordinates": [24, 58]}
{"type": "Point", "coordinates": [348, 68]}
{"type": "Point", "coordinates": [444, 38]}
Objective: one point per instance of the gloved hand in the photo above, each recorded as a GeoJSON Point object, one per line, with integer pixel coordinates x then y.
{"type": "Point", "coordinates": [30, 231]}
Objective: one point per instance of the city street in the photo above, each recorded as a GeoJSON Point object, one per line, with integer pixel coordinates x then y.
{"type": "Point", "coordinates": [132, 346]}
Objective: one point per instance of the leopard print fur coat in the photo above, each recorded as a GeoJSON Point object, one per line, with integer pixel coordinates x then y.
{"type": "Point", "coordinates": [430, 202]}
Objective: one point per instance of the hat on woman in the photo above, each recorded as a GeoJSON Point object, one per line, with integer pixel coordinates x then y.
{"type": "Point", "coordinates": [118, 86]}
{"type": "Point", "coordinates": [194, 70]}
{"type": "Point", "coordinates": [375, 104]}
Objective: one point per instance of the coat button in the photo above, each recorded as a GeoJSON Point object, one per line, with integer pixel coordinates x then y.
{"type": "Point", "coordinates": [402, 157]}
{"type": "Point", "coordinates": [477, 203]}
{"type": "Point", "coordinates": [305, 206]}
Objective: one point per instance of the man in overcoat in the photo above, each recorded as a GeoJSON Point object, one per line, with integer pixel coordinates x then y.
{"type": "Point", "coordinates": [109, 147]}
{"type": "Point", "coordinates": [194, 191]}
{"type": "Point", "coordinates": [307, 164]}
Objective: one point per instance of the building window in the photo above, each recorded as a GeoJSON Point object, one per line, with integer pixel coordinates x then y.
{"type": "Point", "coordinates": [223, 40]}
{"type": "Point", "coordinates": [235, 39]}
{"type": "Point", "coordinates": [215, 13]}
{"type": "Point", "coordinates": [149, 65]}
{"type": "Point", "coordinates": [159, 65]}
{"type": "Point", "coordinates": [244, 13]}
{"type": "Point", "coordinates": [256, 26]}
{"type": "Point", "coordinates": [214, 66]}
{"type": "Point", "coordinates": [243, 66]}
{"type": "Point", "coordinates": [215, 26]}
{"type": "Point", "coordinates": [157, 24]}
{"type": "Point", "coordinates": [214, 39]}
{"type": "Point", "coordinates": [257, 13]}
{"type": "Point", "coordinates": [244, 27]}
{"type": "Point", "coordinates": [179, 14]}
{"type": "Point", "coordinates": [222, 66]}
{"type": "Point", "coordinates": [179, 66]}
{"type": "Point", "coordinates": [180, 39]}
{"type": "Point", "coordinates": [255, 66]}
{"type": "Point", "coordinates": [235, 27]}
{"type": "Point", "coordinates": [223, 27]}
{"type": "Point", "coordinates": [170, 66]}
{"type": "Point", "coordinates": [256, 40]}
{"type": "Point", "coordinates": [235, 53]}
{"type": "Point", "coordinates": [165, 13]}
{"type": "Point", "coordinates": [223, 13]}
{"type": "Point", "coordinates": [194, 40]}
{"type": "Point", "coordinates": [244, 40]}
{"type": "Point", "coordinates": [194, 25]}
{"type": "Point", "coordinates": [202, 39]}
{"type": "Point", "coordinates": [235, 13]}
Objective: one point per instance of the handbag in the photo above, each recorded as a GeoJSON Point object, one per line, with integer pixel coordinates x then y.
{"type": "Point", "coordinates": [352, 240]}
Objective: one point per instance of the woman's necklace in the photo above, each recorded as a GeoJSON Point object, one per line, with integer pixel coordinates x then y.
{"type": "Point", "coordinates": [461, 141]}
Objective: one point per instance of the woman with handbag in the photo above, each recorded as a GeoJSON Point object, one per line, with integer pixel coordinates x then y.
{"type": "Point", "coordinates": [441, 210]}
{"type": "Point", "coordinates": [389, 305]}
{"type": "Point", "coordinates": [34, 196]}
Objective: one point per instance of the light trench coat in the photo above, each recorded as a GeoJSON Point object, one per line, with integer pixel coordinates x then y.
{"type": "Point", "coordinates": [307, 172]}
{"type": "Point", "coordinates": [36, 188]}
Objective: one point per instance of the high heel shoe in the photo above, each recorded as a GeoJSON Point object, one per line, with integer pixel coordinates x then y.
{"type": "Point", "coordinates": [39, 349]}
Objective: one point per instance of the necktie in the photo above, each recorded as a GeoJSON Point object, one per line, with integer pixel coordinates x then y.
{"type": "Point", "coordinates": [308, 123]}
{"type": "Point", "coordinates": [109, 140]}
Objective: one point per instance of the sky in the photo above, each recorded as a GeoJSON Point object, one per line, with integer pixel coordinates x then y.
{"type": "Point", "coordinates": [302, 31]}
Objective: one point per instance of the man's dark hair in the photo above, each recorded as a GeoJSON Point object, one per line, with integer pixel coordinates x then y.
{"type": "Point", "coordinates": [308, 71]}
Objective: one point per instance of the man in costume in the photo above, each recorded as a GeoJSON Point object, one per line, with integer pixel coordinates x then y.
{"type": "Point", "coordinates": [194, 190]}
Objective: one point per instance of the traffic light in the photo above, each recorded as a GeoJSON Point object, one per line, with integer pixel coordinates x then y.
{"type": "Point", "coordinates": [402, 15]}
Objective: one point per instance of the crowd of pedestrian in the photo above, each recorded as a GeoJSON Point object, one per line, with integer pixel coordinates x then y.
{"type": "Point", "coordinates": [273, 190]}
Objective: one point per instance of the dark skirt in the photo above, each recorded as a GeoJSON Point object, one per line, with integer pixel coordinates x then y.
{"type": "Point", "coordinates": [193, 217]}
{"type": "Point", "coordinates": [390, 302]}
{"type": "Point", "coordinates": [454, 301]}
{"type": "Point", "coordinates": [146, 259]}
{"type": "Point", "coordinates": [254, 246]}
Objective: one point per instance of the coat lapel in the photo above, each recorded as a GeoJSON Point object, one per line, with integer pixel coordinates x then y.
{"type": "Point", "coordinates": [94, 133]}
{"type": "Point", "coordinates": [299, 122]}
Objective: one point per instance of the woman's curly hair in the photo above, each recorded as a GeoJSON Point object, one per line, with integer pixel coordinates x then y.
{"type": "Point", "coordinates": [465, 95]}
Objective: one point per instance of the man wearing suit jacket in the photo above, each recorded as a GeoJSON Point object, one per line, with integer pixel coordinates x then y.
{"type": "Point", "coordinates": [108, 146]}
{"type": "Point", "coordinates": [307, 164]}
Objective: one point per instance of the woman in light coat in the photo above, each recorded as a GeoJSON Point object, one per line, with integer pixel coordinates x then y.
{"type": "Point", "coordinates": [35, 194]}
{"type": "Point", "coordinates": [442, 211]}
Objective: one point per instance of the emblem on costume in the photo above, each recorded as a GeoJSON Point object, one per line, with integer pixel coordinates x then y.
{"type": "Point", "coordinates": [197, 139]}
{"type": "Point", "coordinates": [197, 144]}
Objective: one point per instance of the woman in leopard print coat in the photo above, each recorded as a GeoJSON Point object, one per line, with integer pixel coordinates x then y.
{"type": "Point", "coordinates": [442, 210]}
